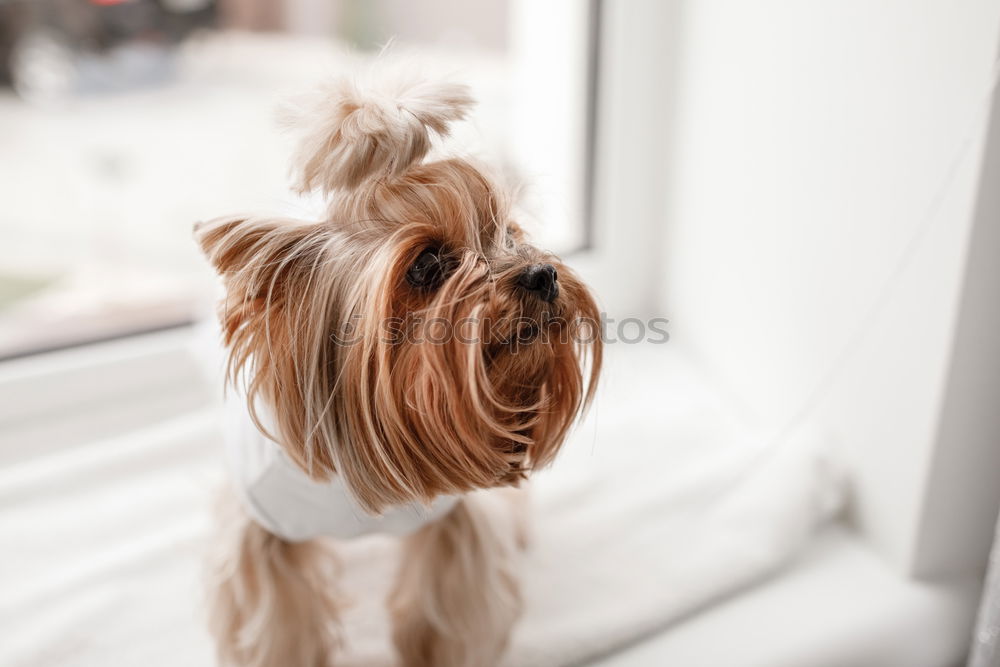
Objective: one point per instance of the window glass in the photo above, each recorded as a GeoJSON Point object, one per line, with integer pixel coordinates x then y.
{"type": "Point", "coordinates": [123, 122]}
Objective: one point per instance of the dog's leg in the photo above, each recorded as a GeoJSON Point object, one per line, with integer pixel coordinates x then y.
{"type": "Point", "coordinates": [456, 597]}
{"type": "Point", "coordinates": [273, 603]}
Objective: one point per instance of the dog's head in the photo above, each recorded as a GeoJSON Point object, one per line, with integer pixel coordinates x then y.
{"type": "Point", "coordinates": [414, 341]}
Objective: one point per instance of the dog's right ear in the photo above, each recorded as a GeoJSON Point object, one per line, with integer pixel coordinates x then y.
{"type": "Point", "coordinates": [260, 249]}
{"type": "Point", "coordinates": [265, 263]}
{"type": "Point", "coordinates": [275, 318]}
{"type": "Point", "coordinates": [350, 133]}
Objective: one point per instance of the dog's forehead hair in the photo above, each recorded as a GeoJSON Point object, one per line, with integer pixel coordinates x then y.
{"type": "Point", "coordinates": [463, 206]}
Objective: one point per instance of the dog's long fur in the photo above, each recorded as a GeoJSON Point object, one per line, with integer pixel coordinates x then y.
{"type": "Point", "coordinates": [400, 414]}
{"type": "Point", "coordinates": [273, 602]}
{"type": "Point", "coordinates": [456, 596]}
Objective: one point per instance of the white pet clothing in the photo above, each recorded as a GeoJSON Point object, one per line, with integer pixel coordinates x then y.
{"type": "Point", "coordinates": [282, 498]}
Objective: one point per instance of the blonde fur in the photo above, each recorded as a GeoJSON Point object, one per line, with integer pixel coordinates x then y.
{"type": "Point", "coordinates": [456, 596]}
{"type": "Point", "coordinates": [349, 134]}
{"type": "Point", "coordinates": [398, 419]}
{"type": "Point", "coordinates": [273, 602]}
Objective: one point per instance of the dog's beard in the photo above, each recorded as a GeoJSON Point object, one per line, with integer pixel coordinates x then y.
{"type": "Point", "coordinates": [472, 389]}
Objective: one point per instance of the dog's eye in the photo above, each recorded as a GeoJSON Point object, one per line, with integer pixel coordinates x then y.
{"type": "Point", "coordinates": [427, 270]}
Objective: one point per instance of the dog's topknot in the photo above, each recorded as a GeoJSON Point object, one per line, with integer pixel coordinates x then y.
{"type": "Point", "coordinates": [351, 133]}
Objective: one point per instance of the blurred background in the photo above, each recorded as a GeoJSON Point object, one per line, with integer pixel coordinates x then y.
{"type": "Point", "coordinates": [124, 122]}
{"type": "Point", "coordinates": [807, 474]}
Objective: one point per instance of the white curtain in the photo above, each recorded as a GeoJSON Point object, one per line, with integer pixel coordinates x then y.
{"type": "Point", "coordinates": [986, 643]}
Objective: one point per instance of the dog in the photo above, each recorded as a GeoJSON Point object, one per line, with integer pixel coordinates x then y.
{"type": "Point", "coordinates": [401, 365]}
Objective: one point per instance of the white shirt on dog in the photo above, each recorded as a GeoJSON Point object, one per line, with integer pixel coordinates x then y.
{"type": "Point", "coordinates": [282, 498]}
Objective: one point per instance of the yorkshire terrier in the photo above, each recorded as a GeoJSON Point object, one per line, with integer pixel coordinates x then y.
{"type": "Point", "coordinates": [399, 366]}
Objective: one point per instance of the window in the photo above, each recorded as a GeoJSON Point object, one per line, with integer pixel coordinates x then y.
{"type": "Point", "coordinates": [123, 122]}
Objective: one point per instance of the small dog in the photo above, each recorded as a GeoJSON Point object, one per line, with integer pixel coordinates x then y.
{"type": "Point", "coordinates": [400, 366]}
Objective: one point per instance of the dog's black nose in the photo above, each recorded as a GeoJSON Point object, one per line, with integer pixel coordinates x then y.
{"type": "Point", "coordinates": [541, 280]}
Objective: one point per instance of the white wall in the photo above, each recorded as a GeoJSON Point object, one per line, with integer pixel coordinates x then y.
{"type": "Point", "coordinates": [638, 50]}
{"type": "Point", "coordinates": [810, 139]}
{"type": "Point", "coordinates": [963, 492]}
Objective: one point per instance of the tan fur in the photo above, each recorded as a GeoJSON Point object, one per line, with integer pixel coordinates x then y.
{"type": "Point", "coordinates": [273, 602]}
{"type": "Point", "coordinates": [456, 596]}
{"type": "Point", "coordinates": [399, 420]}
{"type": "Point", "coordinates": [351, 133]}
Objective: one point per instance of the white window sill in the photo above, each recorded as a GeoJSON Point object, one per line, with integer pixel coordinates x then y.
{"type": "Point", "coordinates": [133, 421]}
{"type": "Point", "coordinates": [839, 605]}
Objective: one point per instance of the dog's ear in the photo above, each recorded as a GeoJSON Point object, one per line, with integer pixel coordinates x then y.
{"type": "Point", "coordinates": [264, 262]}
{"type": "Point", "coordinates": [350, 133]}
{"type": "Point", "coordinates": [275, 321]}
{"type": "Point", "coordinates": [265, 248]}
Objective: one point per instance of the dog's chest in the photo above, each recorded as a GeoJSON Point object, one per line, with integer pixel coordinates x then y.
{"type": "Point", "coordinates": [284, 500]}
